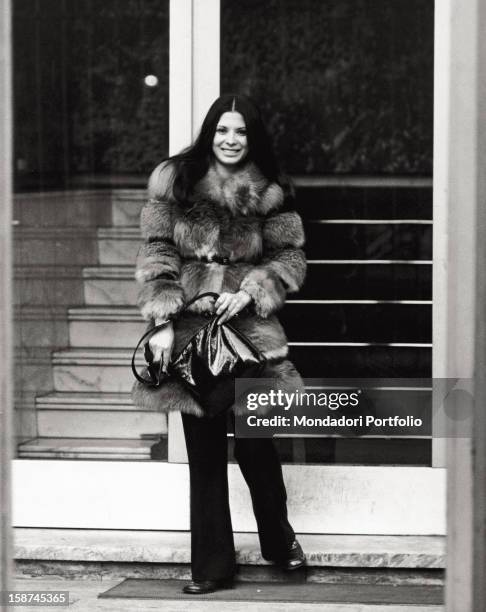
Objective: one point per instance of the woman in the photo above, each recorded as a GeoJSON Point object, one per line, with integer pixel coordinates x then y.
{"type": "Point", "coordinates": [219, 219]}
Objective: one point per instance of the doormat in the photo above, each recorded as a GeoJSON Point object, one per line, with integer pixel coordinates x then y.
{"type": "Point", "coordinates": [135, 588]}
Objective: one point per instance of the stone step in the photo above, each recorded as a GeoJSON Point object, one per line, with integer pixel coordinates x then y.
{"type": "Point", "coordinates": [326, 280]}
{"type": "Point", "coordinates": [50, 246]}
{"type": "Point", "coordinates": [367, 280]}
{"type": "Point", "coordinates": [48, 285]}
{"type": "Point", "coordinates": [112, 415]}
{"type": "Point", "coordinates": [87, 448]}
{"type": "Point", "coordinates": [303, 321]}
{"type": "Point", "coordinates": [88, 415]}
{"type": "Point", "coordinates": [407, 321]}
{"type": "Point", "coordinates": [325, 197]}
{"type": "Point", "coordinates": [41, 326]}
{"type": "Point", "coordinates": [114, 327]}
{"type": "Point", "coordinates": [362, 198]}
{"type": "Point", "coordinates": [33, 369]}
{"type": "Point", "coordinates": [114, 285]}
{"type": "Point", "coordinates": [93, 370]}
{"type": "Point", "coordinates": [368, 239]}
{"type": "Point", "coordinates": [325, 239]}
{"type": "Point", "coordinates": [108, 370]}
{"type": "Point", "coordinates": [362, 360]}
{"type": "Point", "coordinates": [118, 245]}
{"type": "Point", "coordinates": [392, 560]}
{"type": "Point", "coordinates": [118, 402]}
{"type": "Point", "coordinates": [81, 208]}
{"type": "Point", "coordinates": [126, 206]}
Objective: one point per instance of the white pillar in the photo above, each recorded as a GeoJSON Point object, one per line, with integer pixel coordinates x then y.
{"type": "Point", "coordinates": [180, 75]}
{"type": "Point", "coordinates": [194, 85]}
{"type": "Point", "coordinates": [440, 208]}
{"type": "Point", "coordinates": [479, 440]}
{"type": "Point", "coordinates": [194, 67]}
{"type": "Point", "coordinates": [206, 49]}
{"type": "Point", "coordinates": [6, 355]}
{"type": "Point", "coordinates": [459, 285]}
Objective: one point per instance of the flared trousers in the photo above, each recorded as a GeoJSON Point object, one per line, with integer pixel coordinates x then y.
{"type": "Point", "coordinates": [212, 544]}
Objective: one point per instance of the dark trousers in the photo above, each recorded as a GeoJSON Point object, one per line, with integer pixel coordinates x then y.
{"type": "Point", "coordinates": [212, 545]}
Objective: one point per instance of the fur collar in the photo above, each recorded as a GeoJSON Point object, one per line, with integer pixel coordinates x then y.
{"type": "Point", "coordinates": [245, 192]}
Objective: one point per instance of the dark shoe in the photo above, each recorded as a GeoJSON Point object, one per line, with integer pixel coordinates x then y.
{"type": "Point", "coordinates": [199, 587]}
{"type": "Point", "coordinates": [295, 558]}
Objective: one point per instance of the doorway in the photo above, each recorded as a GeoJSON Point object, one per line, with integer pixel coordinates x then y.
{"type": "Point", "coordinates": [367, 304]}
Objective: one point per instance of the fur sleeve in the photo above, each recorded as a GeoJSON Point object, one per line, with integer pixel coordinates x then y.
{"type": "Point", "coordinates": [160, 181]}
{"type": "Point", "coordinates": [158, 262]}
{"type": "Point", "coordinates": [283, 266]}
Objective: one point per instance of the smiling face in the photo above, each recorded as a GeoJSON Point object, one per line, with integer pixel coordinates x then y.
{"type": "Point", "coordinates": [230, 143]}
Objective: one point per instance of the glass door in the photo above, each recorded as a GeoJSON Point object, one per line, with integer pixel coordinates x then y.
{"type": "Point", "coordinates": [91, 120]}
{"type": "Point", "coordinates": [346, 90]}
{"type": "Point", "coordinates": [347, 93]}
{"type": "Point", "coordinates": [94, 113]}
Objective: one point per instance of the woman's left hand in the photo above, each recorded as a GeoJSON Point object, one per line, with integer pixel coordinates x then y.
{"type": "Point", "coordinates": [230, 304]}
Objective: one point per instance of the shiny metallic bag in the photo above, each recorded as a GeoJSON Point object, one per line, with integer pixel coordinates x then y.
{"type": "Point", "coordinates": [208, 364]}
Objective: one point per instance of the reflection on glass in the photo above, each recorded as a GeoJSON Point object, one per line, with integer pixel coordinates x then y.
{"type": "Point", "coordinates": [346, 88]}
{"type": "Point", "coordinates": [91, 121]}
{"type": "Point", "coordinates": [346, 85]}
{"type": "Point", "coordinates": [82, 105]}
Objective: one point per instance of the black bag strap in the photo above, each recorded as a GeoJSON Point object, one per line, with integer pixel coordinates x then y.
{"type": "Point", "coordinates": [153, 330]}
{"type": "Point", "coordinates": [237, 332]}
{"type": "Point", "coordinates": [201, 295]}
{"type": "Point", "coordinates": [147, 334]}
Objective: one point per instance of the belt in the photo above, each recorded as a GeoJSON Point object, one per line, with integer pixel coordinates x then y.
{"type": "Point", "coordinates": [225, 261]}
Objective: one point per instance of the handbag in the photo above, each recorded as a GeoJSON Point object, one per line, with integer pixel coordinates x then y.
{"type": "Point", "coordinates": [208, 364]}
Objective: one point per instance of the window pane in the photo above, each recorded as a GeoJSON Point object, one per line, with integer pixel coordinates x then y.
{"type": "Point", "coordinates": [91, 85]}
{"type": "Point", "coordinates": [346, 88]}
{"type": "Point", "coordinates": [91, 90]}
{"type": "Point", "coordinates": [346, 85]}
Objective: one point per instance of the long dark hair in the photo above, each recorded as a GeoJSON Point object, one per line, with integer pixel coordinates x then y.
{"type": "Point", "coordinates": [193, 163]}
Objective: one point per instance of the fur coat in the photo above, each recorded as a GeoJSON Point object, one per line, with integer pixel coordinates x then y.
{"type": "Point", "coordinates": [244, 219]}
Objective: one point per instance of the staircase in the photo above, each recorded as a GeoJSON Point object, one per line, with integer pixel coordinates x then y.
{"type": "Point", "coordinates": [388, 573]}
{"type": "Point", "coordinates": [89, 413]}
{"type": "Point", "coordinates": [365, 311]}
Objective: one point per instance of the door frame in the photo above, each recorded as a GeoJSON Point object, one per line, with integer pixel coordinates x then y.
{"type": "Point", "coordinates": [38, 486]}
{"type": "Point", "coordinates": [195, 36]}
{"type": "Point", "coordinates": [7, 430]}
{"type": "Point", "coordinates": [194, 78]}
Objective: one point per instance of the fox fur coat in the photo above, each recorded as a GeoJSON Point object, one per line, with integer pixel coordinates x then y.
{"type": "Point", "coordinates": [244, 219]}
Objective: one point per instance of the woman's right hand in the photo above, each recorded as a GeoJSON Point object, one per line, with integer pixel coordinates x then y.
{"type": "Point", "coordinates": [161, 345]}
